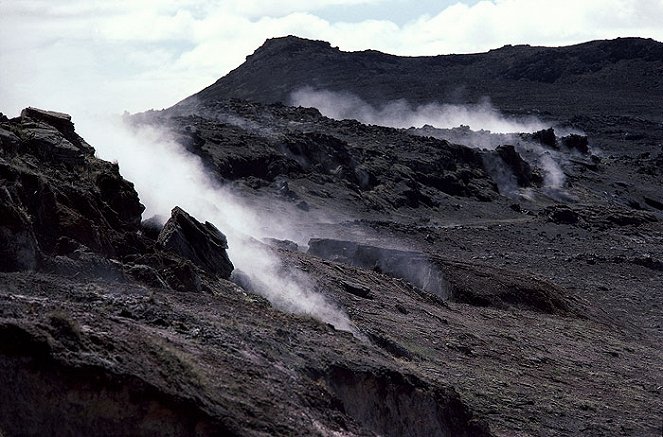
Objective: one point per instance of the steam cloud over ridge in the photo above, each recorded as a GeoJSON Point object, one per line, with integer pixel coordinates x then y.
{"type": "Point", "coordinates": [483, 126]}
{"type": "Point", "coordinates": [165, 175]}
{"type": "Point", "coordinates": [401, 114]}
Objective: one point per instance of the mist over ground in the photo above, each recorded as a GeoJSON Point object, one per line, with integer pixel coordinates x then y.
{"type": "Point", "coordinates": [401, 114]}
{"type": "Point", "coordinates": [165, 175]}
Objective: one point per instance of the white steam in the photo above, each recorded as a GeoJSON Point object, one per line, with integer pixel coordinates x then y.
{"type": "Point", "coordinates": [401, 114]}
{"type": "Point", "coordinates": [474, 125]}
{"type": "Point", "coordinates": [165, 175]}
{"type": "Point", "coordinates": [554, 176]}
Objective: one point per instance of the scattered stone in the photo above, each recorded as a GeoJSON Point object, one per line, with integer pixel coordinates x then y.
{"type": "Point", "coordinates": [563, 215]}
{"type": "Point", "coordinates": [357, 289]}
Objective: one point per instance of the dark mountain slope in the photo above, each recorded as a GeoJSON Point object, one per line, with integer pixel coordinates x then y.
{"type": "Point", "coordinates": [475, 310]}
{"type": "Point", "coordinates": [109, 326]}
{"type": "Point", "coordinates": [592, 77]}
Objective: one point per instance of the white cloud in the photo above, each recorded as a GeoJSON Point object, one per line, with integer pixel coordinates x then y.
{"type": "Point", "coordinates": [151, 53]}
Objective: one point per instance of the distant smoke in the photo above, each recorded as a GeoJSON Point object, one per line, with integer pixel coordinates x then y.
{"type": "Point", "coordinates": [475, 125]}
{"type": "Point", "coordinates": [401, 114]}
{"type": "Point", "coordinates": [166, 175]}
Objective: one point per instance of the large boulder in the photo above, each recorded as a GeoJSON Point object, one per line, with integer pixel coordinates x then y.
{"type": "Point", "coordinates": [202, 244]}
{"type": "Point", "coordinates": [63, 125]}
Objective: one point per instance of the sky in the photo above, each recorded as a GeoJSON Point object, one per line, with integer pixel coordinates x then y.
{"type": "Point", "coordinates": [114, 55]}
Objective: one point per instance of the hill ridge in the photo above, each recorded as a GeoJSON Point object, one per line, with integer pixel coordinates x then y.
{"type": "Point", "coordinates": [515, 78]}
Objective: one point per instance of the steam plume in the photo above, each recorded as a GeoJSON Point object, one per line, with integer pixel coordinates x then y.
{"type": "Point", "coordinates": [401, 114]}
{"type": "Point", "coordinates": [177, 177]}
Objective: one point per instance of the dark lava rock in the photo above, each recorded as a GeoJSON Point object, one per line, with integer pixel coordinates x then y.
{"type": "Point", "coordinates": [202, 244]}
{"type": "Point", "coordinates": [56, 188]}
{"type": "Point", "coordinates": [357, 289]}
{"type": "Point", "coordinates": [600, 217]}
{"type": "Point", "coordinates": [520, 168]}
{"type": "Point", "coordinates": [482, 285]}
{"type": "Point", "coordinates": [654, 203]}
{"type": "Point", "coordinates": [440, 412]}
{"type": "Point", "coordinates": [146, 275]}
{"type": "Point", "coordinates": [465, 282]}
{"type": "Point", "coordinates": [563, 215]}
{"type": "Point", "coordinates": [513, 76]}
{"type": "Point", "coordinates": [576, 142]}
{"type": "Point", "coordinates": [65, 145]}
{"type": "Point", "coordinates": [95, 337]}
{"type": "Point", "coordinates": [546, 137]}
{"type": "Point", "coordinates": [414, 267]}
{"type": "Point", "coordinates": [305, 157]}
{"type": "Point", "coordinates": [19, 249]}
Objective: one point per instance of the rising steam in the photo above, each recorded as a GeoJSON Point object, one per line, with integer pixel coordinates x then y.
{"type": "Point", "coordinates": [401, 114]}
{"type": "Point", "coordinates": [177, 177]}
{"type": "Point", "coordinates": [474, 125]}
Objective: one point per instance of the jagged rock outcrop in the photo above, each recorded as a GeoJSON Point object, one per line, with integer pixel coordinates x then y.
{"type": "Point", "coordinates": [306, 158]}
{"type": "Point", "coordinates": [520, 168]}
{"type": "Point", "coordinates": [58, 194]}
{"type": "Point", "coordinates": [548, 138]}
{"type": "Point", "coordinates": [202, 244]}
{"type": "Point", "coordinates": [66, 212]}
{"type": "Point", "coordinates": [51, 136]}
{"type": "Point", "coordinates": [19, 249]}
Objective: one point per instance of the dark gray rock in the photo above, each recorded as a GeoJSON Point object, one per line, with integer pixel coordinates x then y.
{"type": "Point", "coordinates": [576, 142]}
{"type": "Point", "coordinates": [202, 244]}
{"type": "Point", "coordinates": [357, 289]}
{"type": "Point", "coordinates": [414, 267]}
{"type": "Point", "coordinates": [563, 215]}
{"type": "Point", "coordinates": [18, 245]}
{"type": "Point", "coordinates": [62, 123]}
{"type": "Point", "coordinates": [520, 168]}
{"type": "Point", "coordinates": [9, 142]}
{"type": "Point", "coordinates": [546, 137]}
{"type": "Point", "coordinates": [55, 191]}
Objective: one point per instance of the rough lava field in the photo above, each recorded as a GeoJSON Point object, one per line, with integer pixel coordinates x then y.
{"type": "Point", "coordinates": [331, 252]}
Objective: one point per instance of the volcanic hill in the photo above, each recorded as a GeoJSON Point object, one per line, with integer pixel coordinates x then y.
{"type": "Point", "coordinates": [494, 283]}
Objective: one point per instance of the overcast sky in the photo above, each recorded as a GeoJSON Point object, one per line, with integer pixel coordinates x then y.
{"type": "Point", "coordinates": [115, 55]}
